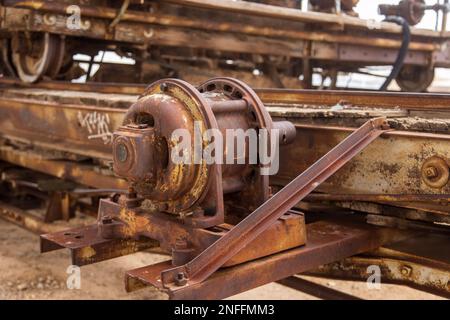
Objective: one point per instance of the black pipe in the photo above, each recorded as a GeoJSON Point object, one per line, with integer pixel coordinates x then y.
{"type": "Point", "coordinates": [398, 64]}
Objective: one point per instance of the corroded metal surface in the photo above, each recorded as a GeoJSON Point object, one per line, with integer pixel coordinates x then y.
{"type": "Point", "coordinates": [401, 176]}
{"type": "Point", "coordinates": [167, 37]}
{"type": "Point", "coordinates": [327, 241]}
{"type": "Point", "coordinates": [87, 247]}
{"type": "Point", "coordinates": [417, 139]}
{"type": "Point", "coordinates": [421, 262]}
{"type": "Point", "coordinates": [202, 266]}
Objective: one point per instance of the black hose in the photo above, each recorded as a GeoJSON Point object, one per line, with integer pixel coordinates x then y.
{"type": "Point", "coordinates": [398, 64]}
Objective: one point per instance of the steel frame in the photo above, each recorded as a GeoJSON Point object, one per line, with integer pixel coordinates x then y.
{"type": "Point", "coordinates": [427, 205]}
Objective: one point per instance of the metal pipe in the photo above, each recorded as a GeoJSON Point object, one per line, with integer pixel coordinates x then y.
{"type": "Point", "coordinates": [229, 106]}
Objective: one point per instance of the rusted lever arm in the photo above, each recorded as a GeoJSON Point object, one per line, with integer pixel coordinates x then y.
{"type": "Point", "coordinates": [216, 255]}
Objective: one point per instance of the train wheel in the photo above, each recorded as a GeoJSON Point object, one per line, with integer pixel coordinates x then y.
{"type": "Point", "coordinates": [415, 78]}
{"type": "Point", "coordinates": [35, 55]}
{"type": "Point", "coordinates": [8, 69]}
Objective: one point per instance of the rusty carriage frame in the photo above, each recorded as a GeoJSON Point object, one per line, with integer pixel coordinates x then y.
{"type": "Point", "coordinates": [380, 195]}
{"type": "Point", "coordinates": [196, 40]}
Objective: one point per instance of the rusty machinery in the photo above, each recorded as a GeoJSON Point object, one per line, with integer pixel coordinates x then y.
{"type": "Point", "coordinates": [275, 48]}
{"type": "Point", "coordinates": [227, 224]}
{"type": "Point", "coordinates": [207, 216]}
{"type": "Point", "coordinates": [176, 203]}
{"type": "Point", "coordinates": [413, 10]}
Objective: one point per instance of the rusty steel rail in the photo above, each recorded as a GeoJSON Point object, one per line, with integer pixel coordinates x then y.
{"type": "Point", "coordinates": [201, 267]}
{"type": "Point", "coordinates": [278, 97]}
{"type": "Point", "coordinates": [378, 197]}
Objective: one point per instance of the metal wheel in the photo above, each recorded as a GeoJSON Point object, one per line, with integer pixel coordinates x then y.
{"type": "Point", "coordinates": [35, 55]}
{"type": "Point", "coordinates": [6, 59]}
{"type": "Point", "coordinates": [415, 78]}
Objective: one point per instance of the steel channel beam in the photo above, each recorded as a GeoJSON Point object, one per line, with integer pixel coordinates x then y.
{"type": "Point", "coordinates": [229, 26]}
{"type": "Point", "coordinates": [278, 97]}
{"type": "Point", "coordinates": [181, 31]}
{"type": "Point", "coordinates": [87, 247]}
{"type": "Point", "coordinates": [264, 10]}
{"type": "Point", "coordinates": [315, 289]}
{"type": "Point", "coordinates": [80, 129]}
{"type": "Point", "coordinates": [27, 220]}
{"type": "Point", "coordinates": [287, 233]}
{"type": "Point", "coordinates": [84, 174]}
{"type": "Point", "coordinates": [391, 165]}
{"type": "Point", "coordinates": [210, 260]}
{"type": "Point", "coordinates": [419, 261]}
{"type": "Point", "coordinates": [410, 101]}
{"type": "Point", "coordinates": [410, 147]}
{"type": "Point", "coordinates": [328, 241]}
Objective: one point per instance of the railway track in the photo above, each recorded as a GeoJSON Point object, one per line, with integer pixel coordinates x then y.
{"type": "Point", "coordinates": [289, 97]}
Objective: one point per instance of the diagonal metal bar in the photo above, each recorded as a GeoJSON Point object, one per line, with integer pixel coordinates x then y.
{"type": "Point", "coordinates": [215, 256]}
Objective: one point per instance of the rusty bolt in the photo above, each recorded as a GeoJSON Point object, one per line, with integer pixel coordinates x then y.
{"type": "Point", "coordinates": [163, 207]}
{"type": "Point", "coordinates": [181, 279]}
{"type": "Point", "coordinates": [122, 152]}
{"type": "Point", "coordinates": [107, 220]}
{"type": "Point", "coordinates": [431, 172]}
{"type": "Point", "coordinates": [181, 244]}
{"type": "Point", "coordinates": [131, 193]}
{"type": "Point", "coordinates": [406, 271]}
{"type": "Point", "coordinates": [164, 87]}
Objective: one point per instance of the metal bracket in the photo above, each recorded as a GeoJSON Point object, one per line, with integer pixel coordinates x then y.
{"type": "Point", "coordinates": [215, 256]}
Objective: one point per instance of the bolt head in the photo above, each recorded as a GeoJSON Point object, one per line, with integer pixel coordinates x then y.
{"type": "Point", "coordinates": [431, 172]}
{"type": "Point", "coordinates": [121, 152]}
{"type": "Point", "coordinates": [181, 279]}
{"type": "Point", "coordinates": [181, 244]}
{"type": "Point", "coordinates": [406, 271]}
{"type": "Point", "coordinates": [164, 87]}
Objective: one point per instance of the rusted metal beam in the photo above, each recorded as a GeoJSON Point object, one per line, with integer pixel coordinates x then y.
{"type": "Point", "coordinates": [410, 147]}
{"type": "Point", "coordinates": [378, 169]}
{"type": "Point", "coordinates": [231, 26]}
{"type": "Point", "coordinates": [378, 197]}
{"type": "Point", "coordinates": [84, 174]}
{"type": "Point", "coordinates": [87, 247]}
{"type": "Point", "coordinates": [93, 127]}
{"type": "Point", "coordinates": [201, 267]}
{"type": "Point", "coordinates": [421, 262]}
{"type": "Point", "coordinates": [327, 241]}
{"type": "Point", "coordinates": [98, 87]}
{"type": "Point", "coordinates": [264, 10]}
{"type": "Point", "coordinates": [27, 220]}
{"type": "Point", "coordinates": [410, 101]}
{"type": "Point", "coordinates": [287, 233]}
{"type": "Point", "coordinates": [273, 97]}
{"type": "Point", "coordinates": [315, 289]}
